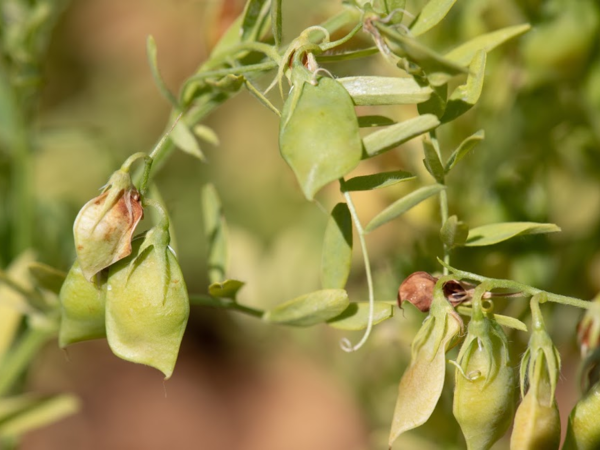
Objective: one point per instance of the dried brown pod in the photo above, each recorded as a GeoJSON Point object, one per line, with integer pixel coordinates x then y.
{"type": "Point", "coordinates": [418, 290]}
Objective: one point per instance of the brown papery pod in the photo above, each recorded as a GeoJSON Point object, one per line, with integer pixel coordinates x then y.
{"type": "Point", "coordinates": [418, 290]}
{"type": "Point", "coordinates": [104, 226]}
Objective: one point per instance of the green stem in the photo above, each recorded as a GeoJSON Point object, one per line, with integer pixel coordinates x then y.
{"type": "Point", "coordinates": [18, 359]}
{"type": "Point", "coordinates": [214, 302]}
{"type": "Point", "coordinates": [361, 237]}
{"type": "Point", "coordinates": [443, 197]}
{"type": "Point", "coordinates": [495, 283]}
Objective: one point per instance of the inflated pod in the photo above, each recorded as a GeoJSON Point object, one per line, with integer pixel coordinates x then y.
{"type": "Point", "coordinates": [147, 305]}
{"type": "Point", "coordinates": [584, 422]}
{"type": "Point", "coordinates": [82, 307]}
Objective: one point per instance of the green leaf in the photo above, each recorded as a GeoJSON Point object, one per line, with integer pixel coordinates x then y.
{"type": "Point", "coordinates": [369, 90]}
{"type": "Point", "coordinates": [337, 248]}
{"type": "Point", "coordinates": [151, 53]}
{"type": "Point", "coordinates": [374, 121]}
{"type": "Point", "coordinates": [499, 232]}
{"type": "Point", "coordinates": [19, 415]}
{"type": "Point", "coordinates": [215, 233]}
{"type": "Point", "coordinates": [437, 102]}
{"type": "Point", "coordinates": [422, 55]}
{"type": "Point", "coordinates": [252, 16]}
{"type": "Point", "coordinates": [463, 149]}
{"type": "Point", "coordinates": [466, 95]}
{"type": "Point", "coordinates": [276, 21]}
{"type": "Point", "coordinates": [356, 316]}
{"type": "Point", "coordinates": [390, 137]}
{"type": "Point", "coordinates": [319, 136]}
{"type": "Point", "coordinates": [404, 204]}
{"type": "Point", "coordinates": [185, 140]}
{"type": "Point", "coordinates": [464, 53]}
{"type": "Point", "coordinates": [310, 309]}
{"type": "Point", "coordinates": [454, 233]}
{"type": "Point", "coordinates": [431, 14]}
{"type": "Point", "coordinates": [377, 180]}
{"type": "Point", "coordinates": [432, 161]}
{"type": "Point", "coordinates": [46, 276]}
{"type": "Point", "coordinates": [225, 289]}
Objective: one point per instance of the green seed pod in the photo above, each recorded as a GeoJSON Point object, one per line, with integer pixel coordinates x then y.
{"type": "Point", "coordinates": [104, 226]}
{"type": "Point", "coordinates": [147, 304]}
{"type": "Point", "coordinates": [422, 383]}
{"type": "Point", "coordinates": [537, 422]}
{"type": "Point", "coordinates": [82, 307]}
{"type": "Point", "coordinates": [485, 385]}
{"type": "Point", "coordinates": [583, 432]}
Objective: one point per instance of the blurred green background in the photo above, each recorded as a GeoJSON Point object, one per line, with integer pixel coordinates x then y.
{"type": "Point", "coordinates": [79, 99]}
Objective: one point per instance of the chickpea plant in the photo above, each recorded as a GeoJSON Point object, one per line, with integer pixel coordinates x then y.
{"type": "Point", "coordinates": [130, 290]}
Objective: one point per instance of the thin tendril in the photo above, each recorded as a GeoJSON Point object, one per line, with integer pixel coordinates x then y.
{"type": "Point", "coordinates": [345, 343]}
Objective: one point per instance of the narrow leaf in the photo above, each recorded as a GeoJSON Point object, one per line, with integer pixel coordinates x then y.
{"type": "Point", "coordinates": [371, 90]}
{"type": "Point", "coordinates": [356, 316]}
{"type": "Point", "coordinates": [151, 53]}
{"type": "Point", "coordinates": [215, 233]}
{"type": "Point", "coordinates": [319, 136]}
{"type": "Point", "coordinates": [432, 161]}
{"type": "Point", "coordinates": [276, 21]}
{"type": "Point", "coordinates": [374, 121]}
{"type": "Point", "coordinates": [46, 276]}
{"type": "Point", "coordinates": [454, 233]}
{"type": "Point", "coordinates": [499, 232]}
{"type": "Point", "coordinates": [310, 309]}
{"type": "Point", "coordinates": [403, 205]}
{"type": "Point", "coordinates": [185, 140]}
{"type": "Point", "coordinates": [31, 412]}
{"type": "Point", "coordinates": [225, 289]}
{"type": "Point", "coordinates": [251, 19]}
{"type": "Point", "coordinates": [466, 95]}
{"type": "Point", "coordinates": [337, 249]}
{"type": "Point", "coordinates": [431, 14]}
{"type": "Point", "coordinates": [390, 137]}
{"type": "Point", "coordinates": [422, 55]}
{"type": "Point", "coordinates": [464, 54]}
{"type": "Point", "coordinates": [437, 102]}
{"type": "Point", "coordinates": [377, 180]}
{"type": "Point", "coordinates": [464, 148]}
{"type": "Point", "coordinates": [206, 134]}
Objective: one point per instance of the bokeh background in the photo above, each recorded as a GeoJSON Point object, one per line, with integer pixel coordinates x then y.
{"type": "Point", "coordinates": [245, 385]}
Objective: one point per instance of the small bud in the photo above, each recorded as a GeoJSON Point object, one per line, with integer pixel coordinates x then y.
{"type": "Point", "coordinates": [147, 305]}
{"type": "Point", "coordinates": [484, 391]}
{"type": "Point", "coordinates": [82, 307]}
{"type": "Point", "coordinates": [104, 226]}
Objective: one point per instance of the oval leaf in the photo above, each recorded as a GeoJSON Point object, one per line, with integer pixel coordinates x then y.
{"type": "Point", "coordinates": [385, 90]}
{"type": "Point", "coordinates": [432, 161]}
{"type": "Point", "coordinates": [431, 14]}
{"type": "Point", "coordinates": [390, 137]}
{"type": "Point", "coordinates": [499, 232]}
{"type": "Point", "coordinates": [310, 309]}
{"type": "Point", "coordinates": [403, 205]}
{"type": "Point", "coordinates": [337, 249]}
{"type": "Point", "coordinates": [319, 134]}
{"type": "Point", "coordinates": [374, 121]}
{"type": "Point", "coordinates": [185, 140]}
{"type": "Point", "coordinates": [463, 54]}
{"type": "Point", "coordinates": [356, 316]}
{"type": "Point", "coordinates": [377, 180]}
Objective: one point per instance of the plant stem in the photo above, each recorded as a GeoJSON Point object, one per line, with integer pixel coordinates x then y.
{"type": "Point", "coordinates": [443, 197]}
{"type": "Point", "coordinates": [495, 283]}
{"type": "Point", "coordinates": [214, 302]}
{"type": "Point", "coordinates": [16, 361]}
{"type": "Point", "coordinates": [346, 346]}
